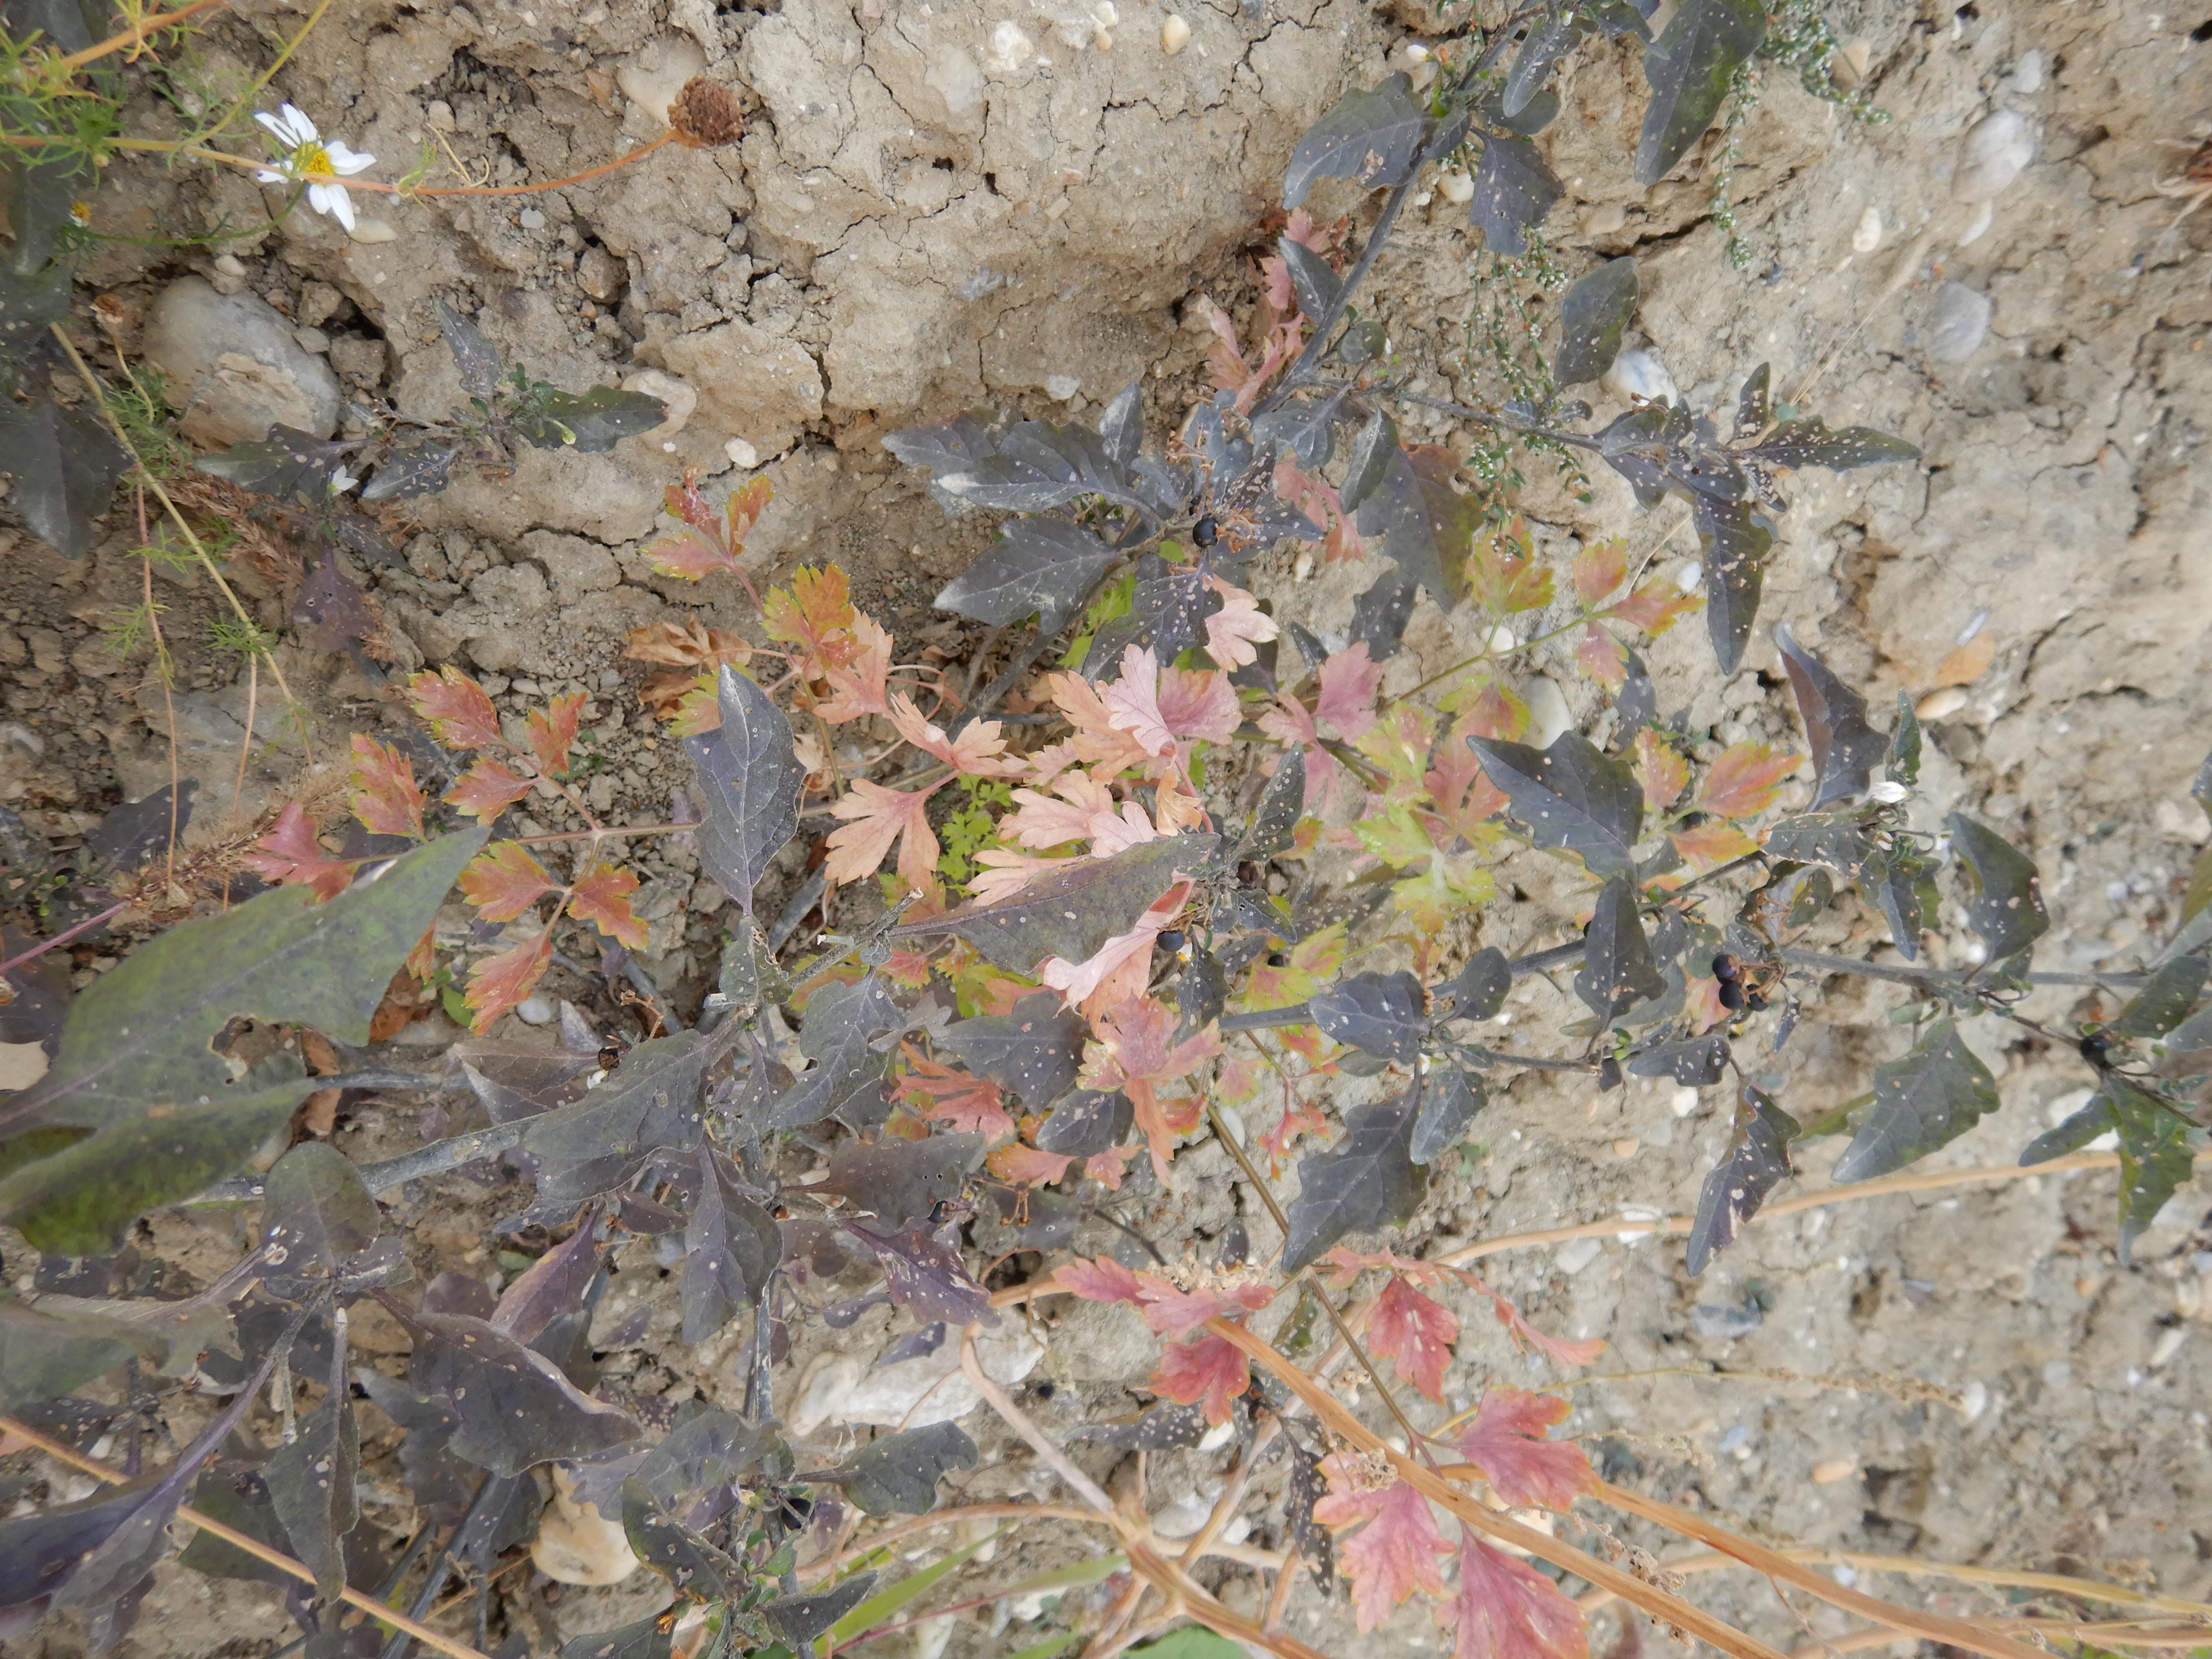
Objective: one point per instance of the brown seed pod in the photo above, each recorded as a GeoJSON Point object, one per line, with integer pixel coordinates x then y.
{"type": "Point", "coordinates": [705, 115]}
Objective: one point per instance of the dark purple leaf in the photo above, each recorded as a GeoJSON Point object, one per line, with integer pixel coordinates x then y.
{"type": "Point", "coordinates": [1201, 990]}
{"type": "Point", "coordinates": [652, 1100]}
{"type": "Point", "coordinates": [645, 1638]}
{"type": "Point", "coordinates": [421, 468]}
{"type": "Point", "coordinates": [1415, 518]}
{"type": "Point", "coordinates": [1034, 1050]}
{"type": "Point", "coordinates": [1170, 609]}
{"type": "Point", "coordinates": [1377, 1013]}
{"type": "Point", "coordinates": [134, 831]}
{"type": "Point", "coordinates": [1691, 67]}
{"type": "Point", "coordinates": [898, 1473]}
{"type": "Point", "coordinates": [1165, 1427]}
{"type": "Point", "coordinates": [1373, 137]}
{"type": "Point", "coordinates": [2004, 904]}
{"type": "Point", "coordinates": [1757, 1159]}
{"type": "Point", "coordinates": [1449, 1100]}
{"type": "Point", "coordinates": [898, 1182]}
{"type": "Point", "coordinates": [1312, 279]}
{"type": "Point", "coordinates": [316, 1211]}
{"type": "Point", "coordinates": [915, 1345]}
{"type": "Point", "coordinates": [800, 1618]}
{"type": "Point", "coordinates": [1845, 749]}
{"type": "Point", "coordinates": [1593, 312]}
{"type": "Point", "coordinates": [1569, 795]}
{"type": "Point", "coordinates": [1275, 820]}
{"type": "Point", "coordinates": [696, 1568]}
{"type": "Point", "coordinates": [1366, 1180]}
{"type": "Point", "coordinates": [1316, 1544]}
{"type": "Point", "coordinates": [1617, 971]}
{"type": "Point", "coordinates": [43, 1356]}
{"type": "Point", "coordinates": [2164, 1001]}
{"type": "Point", "coordinates": [1695, 1062]}
{"type": "Point", "coordinates": [749, 777]}
{"type": "Point", "coordinates": [512, 1407]}
{"type": "Point", "coordinates": [1809, 443]}
{"type": "Point", "coordinates": [1370, 459]}
{"type": "Point", "coordinates": [733, 1247]}
{"type": "Point", "coordinates": [844, 1023]}
{"type": "Point", "coordinates": [311, 1486]}
{"type": "Point", "coordinates": [1380, 614]}
{"type": "Point", "coordinates": [1040, 566]}
{"type": "Point", "coordinates": [1924, 1101]}
{"type": "Point", "coordinates": [549, 1286]}
{"type": "Point", "coordinates": [1478, 990]}
{"type": "Point", "coordinates": [590, 424]}
{"type": "Point", "coordinates": [286, 463]}
{"type": "Point", "coordinates": [1087, 1120]}
{"type": "Point", "coordinates": [927, 1277]}
{"type": "Point", "coordinates": [1514, 191]}
{"type": "Point", "coordinates": [1733, 540]}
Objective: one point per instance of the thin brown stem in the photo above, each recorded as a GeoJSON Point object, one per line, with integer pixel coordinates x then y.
{"type": "Point", "coordinates": [134, 37]}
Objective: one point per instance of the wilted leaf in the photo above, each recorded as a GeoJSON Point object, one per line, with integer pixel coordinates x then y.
{"type": "Point", "coordinates": [1070, 913]}
{"type": "Point", "coordinates": [652, 1101]}
{"type": "Point", "coordinates": [1035, 1049]}
{"type": "Point", "coordinates": [1041, 565]}
{"type": "Point", "coordinates": [1509, 1440]}
{"type": "Point", "coordinates": [459, 709]}
{"type": "Point", "coordinates": [1366, 1180]}
{"type": "Point", "coordinates": [1394, 1553]}
{"type": "Point", "coordinates": [1691, 66]}
{"type": "Point", "coordinates": [1513, 192]}
{"type": "Point", "coordinates": [749, 775]}
{"type": "Point", "coordinates": [1593, 314]}
{"type": "Point", "coordinates": [595, 422]}
{"type": "Point", "coordinates": [1617, 970]}
{"type": "Point", "coordinates": [1373, 137]}
{"type": "Point", "coordinates": [1415, 1333]}
{"type": "Point", "coordinates": [1734, 539]}
{"type": "Point", "coordinates": [1845, 749]}
{"type": "Point", "coordinates": [1757, 1159]}
{"type": "Point", "coordinates": [898, 1475]}
{"type": "Point", "coordinates": [2164, 1001]}
{"type": "Point", "coordinates": [514, 1408]}
{"type": "Point", "coordinates": [1924, 1101]}
{"type": "Point", "coordinates": [1743, 780]}
{"type": "Point", "coordinates": [487, 788]}
{"type": "Point", "coordinates": [1571, 796]}
{"type": "Point", "coordinates": [1506, 1610]}
{"type": "Point", "coordinates": [2005, 905]}
{"type": "Point", "coordinates": [1379, 1013]}
{"type": "Point", "coordinates": [898, 1182]}
{"type": "Point", "coordinates": [475, 358]}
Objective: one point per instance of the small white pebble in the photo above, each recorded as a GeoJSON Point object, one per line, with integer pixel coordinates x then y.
{"type": "Point", "coordinates": [1683, 1101]}
{"type": "Point", "coordinates": [1975, 1401]}
{"type": "Point", "coordinates": [1941, 705]}
{"type": "Point", "coordinates": [1457, 188]}
{"type": "Point", "coordinates": [1688, 577]}
{"type": "Point", "coordinates": [1868, 237]}
{"type": "Point", "coordinates": [533, 219]}
{"type": "Point", "coordinates": [1501, 638]}
{"type": "Point", "coordinates": [741, 454]}
{"type": "Point", "coordinates": [1175, 35]}
{"type": "Point", "coordinates": [230, 264]}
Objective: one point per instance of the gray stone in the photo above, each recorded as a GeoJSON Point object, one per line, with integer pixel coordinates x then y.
{"type": "Point", "coordinates": [1959, 324]}
{"type": "Point", "coordinates": [751, 384]}
{"type": "Point", "coordinates": [577, 566]}
{"type": "Point", "coordinates": [233, 368]}
{"type": "Point", "coordinates": [1996, 152]}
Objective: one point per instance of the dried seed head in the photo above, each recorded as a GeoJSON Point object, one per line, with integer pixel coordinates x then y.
{"type": "Point", "coordinates": [705, 115]}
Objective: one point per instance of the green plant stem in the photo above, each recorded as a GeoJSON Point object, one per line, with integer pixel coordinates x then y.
{"type": "Point", "coordinates": [268, 74]}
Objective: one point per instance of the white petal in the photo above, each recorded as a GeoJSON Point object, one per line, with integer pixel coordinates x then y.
{"type": "Point", "coordinates": [272, 124]}
{"type": "Point", "coordinates": [319, 197]}
{"type": "Point", "coordinates": [266, 177]}
{"type": "Point", "coordinates": [349, 162]}
{"type": "Point", "coordinates": [341, 205]}
{"type": "Point", "coordinates": [303, 129]}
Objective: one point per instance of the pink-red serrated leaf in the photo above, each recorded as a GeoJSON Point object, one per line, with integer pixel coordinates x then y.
{"type": "Point", "coordinates": [1508, 1442]}
{"type": "Point", "coordinates": [504, 880]}
{"type": "Point", "coordinates": [501, 982]}
{"type": "Point", "coordinates": [1599, 569]}
{"type": "Point", "coordinates": [384, 798]}
{"type": "Point", "coordinates": [1711, 844]}
{"type": "Point", "coordinates": [745, 507]}
{"type": "Point", "coordinates": [1568, 1350]}
{"type": "Point", "coordinates": [1099, 1279]}
{"type": "Point", "coordinates": [1603, 657]}
{"type": "Point", "coordinates": [816, 614]}
{"type": "Point", "coordinates": [943, 1094]}
{"type": "Point", "coordinates": [1415, 1333]}
{"type": "Point", "coordinates": [1505, 1609]}
{"type": "Point", "coordinates": [860, 684]}
{"type": "Point", "coordinates": [1745, 780]}
{"type": "Point", "coordinates": [1660, 772]}
{"type": "Point", "coordinates": [552, 732]}
{"type": "Point", "coordinates": [289, 855]}
{"type": "Point", "coordinates": [1394, 1553]}
{"type": "Point", "coordinates": [459, 709]}
{"type": "Point", "coordinates": [1209, 1370]}
{"type": "Point", "coordinates": [422, 961]}
{"type": "Point", "coordinates": [1655, 607]}
{"type": "Point", "coordinates": [691, 555]}
{"type": "Point", "coordinates": [874, 818]}
{"type": "Point", "coordinates": [601, 897]}
{"type": "Point", "coordinates": [487, 789]}
{"type": "Point", "coordinates": [1349, 681]}
{"type": "Point", "coordinates": [1025, 1166]}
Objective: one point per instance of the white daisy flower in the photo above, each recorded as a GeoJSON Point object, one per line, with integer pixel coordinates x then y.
{"type": "Point", "coordinates": [309, 158]}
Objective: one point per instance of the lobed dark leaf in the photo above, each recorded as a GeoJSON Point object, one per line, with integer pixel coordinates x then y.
{"type": "Point", "coordinates": [1733, 540]}
{"type": "Point", "coordinates": [286, 463]}
{"type": "Point", "coordinates": [653, 1100]}
{"type": "Point", "coordinates": [2164, 1002]}
{"type": "Point", "coordinates": [1416, 519]}
{"type": "Point", "coordinates": [1617, 971]}
{"type": "Point", "coordinates": [552, 1285]}
{"type": "Point", "coordinates": [1550, 38]}
{"type": "Point", "coordinates": [954, 445]}
{"type": "Point", "coordinates": [843, 1025]}
{"type": "Point", "coordinates": [1275, 819]}
{"type": "Point", "coordinates": [749, 775]}
{"type": "Point", "coordinates": [899, 1181]}
{"type": "Point", "coordinates": [475, 358]}
{"type": "Point", "coordinates": [1691, 66]}
{"type": "Point", "coordinates": [1757, 1160]}
{"type": "Point", "coordinates": [1087, 1120]}
{"type": "Point", "coordinates": [1122, 424]}
{"type": "Point", "coordinates": [316, 1211]}
{"type": "Point", "coordinates": [1305, 426]}
{"type": "Point", "coordinates": [591, 423]}
{"type": "Point", "coordinates": [898, 1473]}
{"type": "Point", "coordinates": [1367, 1180]}
{"type": "Point", "coordinates": [63, 460]}
{"type": "Point", "coordinates": [512, 1407]}
{"type": "Point", "coordinates": [1169, 609]}
{"type": "Point", "coordinates": [1903, 755]}
{"type": "Point", "coordinates": [423, 469]}
{"type": "Point", "coordinates": [1040, 465]}
{"type": "Point", "coordinates": [1164, 1427]}
{"type": "Point", "coordinates": [2156, 1159]}
{"type": "Point", "coordinates": [1380, 614]}
{"type": "Point", "coordinates": [1695, 1062]}
{"type": "Point", "coordinates": [1755, 404]}
{"type": "Point", "coordinates": [733, 1247]}
{"type": "Point", "coordinates": [1571, 796]}
{"type": "Point", "coordinates": [1040, 566]}
{"type": "Point", "coordinates": [1373, 137]}
{"type": "Point", "coordinates": [1377, 1013]}
{"type": "Point", "coordinates": [1070, 914]}
{"type": "Point", "coordinates": [1809, 443]}
{"type": "Point", "coordinates": [1845, 749]}
{"type": "Point", "coordinates": [1034, 1050]}
{"type": "Point", "coordinates": [1593, 312]}
{"type": "Point", "coordinates": [696, 1568]}
{"type": "Point", "coordinates": [1478, 990]}
{"type": "Point", "coordinates": [1924, 1101]}
{"type": "Point", "coordinates": [1449, 1100]}
{"type": "Point", "coordinates": [927, 1277]}
{"type": "Point", "coordinates": [1514, 192]}
{"type": "Point", "coordinates": [2005, 903]}
{"type": "Point", "coordinates": [800, 1618]}
{"type": "Point", "coordinates": [1201, 990]}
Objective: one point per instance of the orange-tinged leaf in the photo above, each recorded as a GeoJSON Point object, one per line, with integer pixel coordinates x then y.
{"type": "Point", "coordinates": [1509, 1440]}
{"type": "Point", "coordinates": [1107, 1167]}
{"type": "Point", "coordinates": [692, 555]}
{"type": "Point", "coordinates": [978, 750]}
{"type": "Point", "coordinates": [504, 880]}
{"type": "Point", "coordinates": [1208, 1369]}
{"type": "Point", "coordinates": [1660, 771]}
{"type": "Point", "coordinates": [1486, 708]}
{"type": "Point", "coordinates": [1504, 576]}
{"type": "Point", "coordinates": [874, 818]}
{"type": "Point", "coordinates": [1709, 846]}
{"type": "Point", "coordinates": [816, 614]}
{"type": "Point", "coordinates": [944, 1094]}
{"type": "Point", "coordinates": [487, 789]}
{"type": "Point", "coordinates": [1394, 1553]}
{"type": "Point", "coordinates": [1025, 1166]}
{"type": "Point", "coordinates": [552, 732]}
{"type": "Point", "coordinates": [859, 686]}
{"type": "Point", "coordinates": [290, 856]}
{"type": "Point", "coordinates": [688, 644]}
{"type": "Point", "coordinates": [1313, 960]}
{"type": "Point", "coordinates": [422, 961]}
{"type": "Point", "coordinates": [1506, 1610]}
{"type": "Point", "coordinates": [601, 897]}
{"type": "Point", "coordinates": [697, 709]}
{"type": "Point", "coordinates": [1603, 657]}
{"type": "Point", "coordinates": [1599, 569]}
{"type": "Point", "coordinates": [1703, 1005]}
{"type": "Point", "coordinates": [1655, 607]}
{"type": "Point", "coordinates": [1415, 1332]}
{"type": "Point", "coordinates": [459, 709]}
{"type": "Point", "coordinates": [384, 798]}
{"type": "Point", "coordinates": [744, 506]}
{"type": "Point", "coordinates": [1745, 779]}
{"type": "Point", "coordinates": [504, 982]}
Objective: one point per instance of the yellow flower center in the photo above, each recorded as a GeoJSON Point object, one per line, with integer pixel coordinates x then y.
{"type": "Point", "coordinates": [311, 159]}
